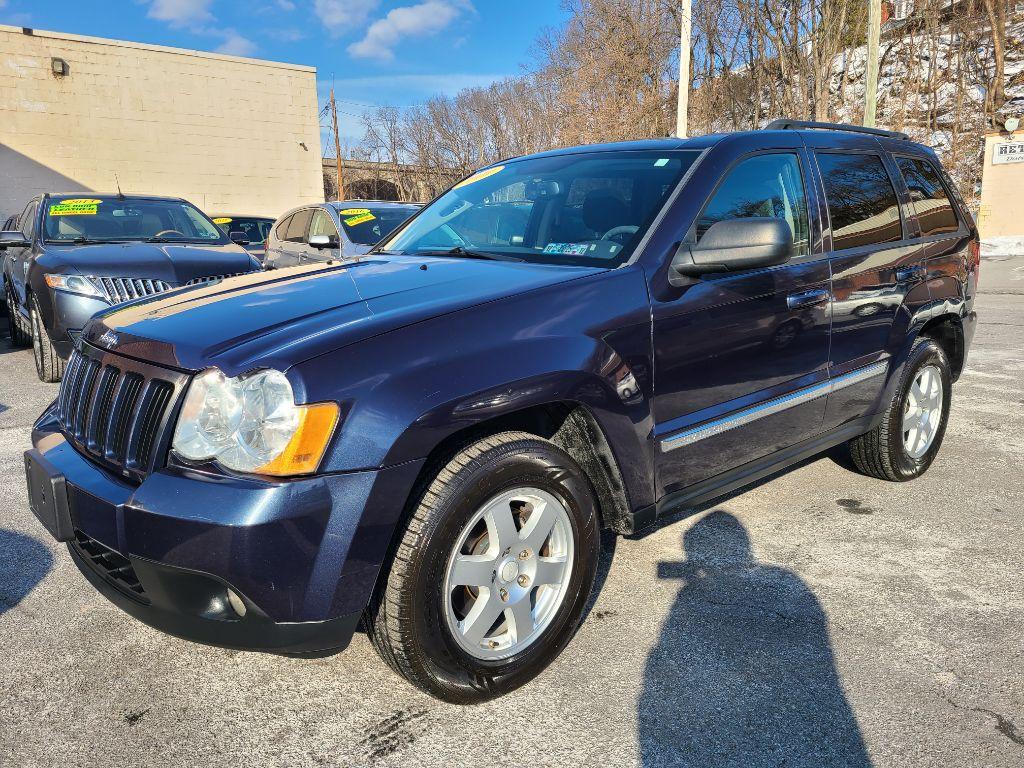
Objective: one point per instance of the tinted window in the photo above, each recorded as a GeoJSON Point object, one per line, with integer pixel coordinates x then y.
{"type": "Point", "coordinates": [282, 227]}
{"type": "Point", "coordinates": [254, 229]}
{"type": "Point", "coordinates": [28, 219]}
{"type": "Point", "coordinates": [322, 225]}
{"type": "Point", "coordinates": [766, 185]}
{"type": "Point", "coordinates": [368, 224]}
{"type": "Point", "coordinates": [586, 208]}
{"type": "Point", "coordinates": [297, 225]}
{"type": "Point", "coordinates": [861, 200]}
{"type": "Point", "coordinates": [931, 203]}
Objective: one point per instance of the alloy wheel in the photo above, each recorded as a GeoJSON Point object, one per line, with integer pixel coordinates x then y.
{"type": "Point", "coordinates": [508, 574]}
{"type": "Point", "coordinates": [922, 411]}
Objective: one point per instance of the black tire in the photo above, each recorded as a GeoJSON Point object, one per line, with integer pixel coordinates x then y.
{"type": "Point", "coordinates": [881, 452]}
{"type": "Point", "coordinates": [20, 337]}
{"type": "Point", "coordinates": [49, 365]}
{"type": "Point", "coordinates": [405, 619]}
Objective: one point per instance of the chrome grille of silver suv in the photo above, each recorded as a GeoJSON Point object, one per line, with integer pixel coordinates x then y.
{"type": "Point", "coordinates": [121, 289]}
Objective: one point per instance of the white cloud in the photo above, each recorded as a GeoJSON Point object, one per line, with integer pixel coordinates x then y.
{"type": "Point", "coordinates": [179, 12]}
{"type": "Point", "coordinates": [286, 5]}
{"type": "Point", "coordinates": [236, 45]}
{"type": "Point", "coordinates": [341, 16]}
{"type": "Point", "coordinates": [418, 20]}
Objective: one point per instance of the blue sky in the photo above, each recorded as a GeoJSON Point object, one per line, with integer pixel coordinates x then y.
{"type": "Point", "coordinates": [396, 52]}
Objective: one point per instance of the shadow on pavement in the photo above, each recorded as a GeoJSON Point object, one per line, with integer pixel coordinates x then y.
{"type": "Point", "coordinates": [743, 673]}
{"type": "Point", "coordinates": [24, 562]}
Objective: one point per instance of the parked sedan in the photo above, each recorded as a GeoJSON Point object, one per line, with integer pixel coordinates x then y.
{"type": "Point", "coordinates": [76, 256]}
{"type": "Point", "coordinates": [250, 232]}
{"type": "Point", "coordinates": [328, 231]}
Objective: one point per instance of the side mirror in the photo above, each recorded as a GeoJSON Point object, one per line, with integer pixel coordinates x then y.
{"type": "Point", "coordinates": [238, 237]}
{"type": "Point", "coordinates": [323, 241]}
{"type": "Point", "coordinates": [733, 245]}
{"type": "Point", "coordinates": [13, 239]}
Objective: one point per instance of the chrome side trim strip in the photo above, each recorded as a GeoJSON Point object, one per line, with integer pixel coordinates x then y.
{"type": "Point", "coordinates": [771, 407]}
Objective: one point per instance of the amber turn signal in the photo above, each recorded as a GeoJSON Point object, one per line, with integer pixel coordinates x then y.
{"type": "Point", "coordinates": [304, 451]}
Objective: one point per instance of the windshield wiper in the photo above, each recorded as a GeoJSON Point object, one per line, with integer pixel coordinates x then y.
{"type": "Point", "coordinates": [461, 252]}
{"type": "Point", "coordinates": [82, 240]}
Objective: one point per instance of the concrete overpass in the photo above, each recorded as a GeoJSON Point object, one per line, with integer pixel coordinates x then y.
{"type": "Point", "coordinates": [369, 180]}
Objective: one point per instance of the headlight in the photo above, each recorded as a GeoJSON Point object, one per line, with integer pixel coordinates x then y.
{"type": "Point", "coordinates": [251, 424]}
{"type": "Point", "coordinates": [73, 284]}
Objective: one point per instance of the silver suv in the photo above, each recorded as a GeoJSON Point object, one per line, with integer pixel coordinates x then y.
{"type": "Point", "coordinates": [334, 230]}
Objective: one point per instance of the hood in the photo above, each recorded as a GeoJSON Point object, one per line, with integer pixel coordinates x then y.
{"type": "Point", "coordinates": [173, 263]}
{"type": "Point", "coordinates": [282, 317]}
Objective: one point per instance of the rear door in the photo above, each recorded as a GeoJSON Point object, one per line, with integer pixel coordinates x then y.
{"type": "Point", "coordinates": [292, 248]}
{"type": "Point", "coordinates": [877, 272]}
{"type": "Point", "coordinates": [741, 358]}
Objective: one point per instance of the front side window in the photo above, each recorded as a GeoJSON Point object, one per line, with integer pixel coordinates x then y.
{"type": "Point", "coordinates": [589, 209]}
{"type": "Point", "coordinates": [28, 220]}
{"type": "Point", "coordinates": [322, 225]}
{"type": "Point", "coordinates": [861, 200]}
{"type": "Point", "coordinates": [768, 185]}
{"type": "Point", "coordinates": [114, 219]}
{"type": "Point", "coordinates": [932, 207]}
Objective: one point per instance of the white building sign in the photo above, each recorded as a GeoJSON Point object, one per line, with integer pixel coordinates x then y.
{"type": "Point", "coordinates": [1008, 152]}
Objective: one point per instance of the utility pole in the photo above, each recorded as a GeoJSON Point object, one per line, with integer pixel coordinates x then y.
{"type": "Point", "coordinates": [685, 13]}
{"type": "Point", "coordinates": [337, 147]}
{"type": "Point", "coordinates": [871, 75]}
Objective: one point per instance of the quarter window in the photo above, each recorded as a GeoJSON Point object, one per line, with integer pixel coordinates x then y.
{"type": "Point", "coordinates": [765, 185]}
{"type": "Point", "coordinates": [932, 207]}
{"type": "Point", "coordinates": [861, 200]}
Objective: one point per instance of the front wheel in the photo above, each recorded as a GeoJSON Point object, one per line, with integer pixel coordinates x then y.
{"type": "Point", "coordinates": [905, 443]}
{"type": "Point", "coordinates": [49, 366]}
{"type": "Point", "coordinates": [493, 572]}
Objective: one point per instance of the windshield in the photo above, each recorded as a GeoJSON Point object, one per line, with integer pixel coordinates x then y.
{"type": "Point", "coordinates": [116, 220]}
{"type": "Point", "coordinates": [368, 224]}
{"type": "Point", "coordinates": [254, 230]}
{"type": "Point", "coordinates": [583, 209]}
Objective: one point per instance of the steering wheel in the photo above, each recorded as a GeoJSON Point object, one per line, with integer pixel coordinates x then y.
{"type": "Point", "coordinates": [169, 232]}
{"type": "Point", "coordinates": [625, 229]}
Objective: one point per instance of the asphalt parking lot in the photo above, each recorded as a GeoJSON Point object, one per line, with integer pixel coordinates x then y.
{"type": "Point", "coordinates": [819, 619]}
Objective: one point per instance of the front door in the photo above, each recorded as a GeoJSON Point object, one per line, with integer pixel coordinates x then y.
{"type": "Point", "coordinates": [323, 225]}
{"type": "Point", "coordinates": [741, 358]}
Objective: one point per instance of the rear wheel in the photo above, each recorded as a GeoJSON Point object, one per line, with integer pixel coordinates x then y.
{"type": "Point", "coordinates": [904, 445]}
{"type": "Point", "coordinates": [493, 572]}
{"type": "Point", "coordinates": [49, 366]}
{"type": "Point", "coordinates": [20, 336]}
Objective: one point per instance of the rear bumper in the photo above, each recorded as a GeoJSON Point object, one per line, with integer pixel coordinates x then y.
{"type": "Point", "coordinates": [302, 556]}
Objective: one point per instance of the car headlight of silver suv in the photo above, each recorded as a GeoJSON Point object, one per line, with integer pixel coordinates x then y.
{"type": "Point", "coordinates": [251, 424]}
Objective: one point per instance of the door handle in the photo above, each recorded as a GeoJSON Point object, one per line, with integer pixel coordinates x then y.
{"type": "Point", "coordinates": [807, 298]}
{"type": "Point", "coordinates": [911, 274]}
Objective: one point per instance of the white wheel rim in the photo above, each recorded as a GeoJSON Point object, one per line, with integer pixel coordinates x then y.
{"type": "Point", "coordinates": [922, 411]}
{"type": "Point", "coordinates": [508, 573]}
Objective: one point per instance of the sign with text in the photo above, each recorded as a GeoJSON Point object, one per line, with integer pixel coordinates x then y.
{"type": "Point", "coordinates": [1008, 152]}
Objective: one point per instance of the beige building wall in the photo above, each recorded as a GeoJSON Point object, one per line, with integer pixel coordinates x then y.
{"type": "Point", "coordinates": [230, 134]}
{"type": "Point", "coordinates": [1001, 211]}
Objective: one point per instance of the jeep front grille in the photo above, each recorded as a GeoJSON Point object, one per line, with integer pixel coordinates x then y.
{"type": "Point", "coordinates": [118, 411]}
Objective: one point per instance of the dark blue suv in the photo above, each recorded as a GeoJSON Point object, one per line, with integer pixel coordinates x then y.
{"type": "Point", "coordinates": [429, 439]}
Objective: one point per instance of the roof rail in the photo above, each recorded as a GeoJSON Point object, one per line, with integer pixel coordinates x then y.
{"type": "Point", "coordinates": [796, 125]}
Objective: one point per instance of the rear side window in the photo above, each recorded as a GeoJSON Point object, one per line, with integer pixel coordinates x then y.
{"type": "Point", "coordinates": [282, 227]}
{"type": "Point", "coordinates": [764, 185]}
{"type": "Point", "coordinates": [932, 207]}
{"type": "Point", "coordinates": [28, 220]}
{"type": "Point", "coordinates": [861, 200]}
{"type": "Point", "coordinates": [297, 225]}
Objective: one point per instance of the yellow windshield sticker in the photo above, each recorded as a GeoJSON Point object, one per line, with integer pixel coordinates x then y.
{"type": "Point", "coordinates": [480, 176]}
{"type": "Point", "coordinates": [77, 207]}
{"type": "Point", "coordinates": [222, 220]}
{"type": "Point", "coordinates": [360, 219]}
{"type": "Point", "coordinates": [354, 212]}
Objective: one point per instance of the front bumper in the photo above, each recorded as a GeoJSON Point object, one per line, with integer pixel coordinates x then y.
{"type": "Point", "coordinates": [303, 555]}
{"type": "Point", "coordinates": [70, 314]}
